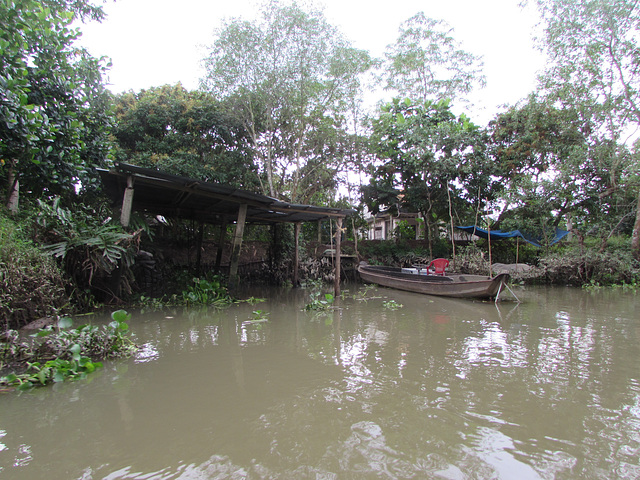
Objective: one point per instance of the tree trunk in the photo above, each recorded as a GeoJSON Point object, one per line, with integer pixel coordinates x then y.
{"type": "Point", "coordinates": [429, 232]}
{"type": "Point", "coordinates": [635, 236]}
{"type": "Point", "coordinates": [13, 196]}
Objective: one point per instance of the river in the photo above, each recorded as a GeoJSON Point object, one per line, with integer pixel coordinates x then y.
{"type": "Point", "coordinates": [438, 388]}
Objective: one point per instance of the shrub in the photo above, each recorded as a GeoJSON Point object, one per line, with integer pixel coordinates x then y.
{"type": "Point", "coordinates": [571, 266]}
{"type": "Point", "coordinates": [204, 291]}
{"type": "Point", "coordinates": [31, 284]}
{"type": "Point", "coordinates": [471, 260]}
{"type": "Point", "coordinates": [59, 352]}
{"type": "Point", "coordinates": [97, 255]}
{"type": "Point", "coordinates": [390, 252]}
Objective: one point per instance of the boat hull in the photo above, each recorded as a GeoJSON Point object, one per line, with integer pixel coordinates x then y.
{"type": "Point", "coordinates": [455, 285]}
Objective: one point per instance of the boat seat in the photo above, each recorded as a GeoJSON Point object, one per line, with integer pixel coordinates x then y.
{"type": "Point", "coordinates": [439, 265]}
{"type": "Point", "coordinates": [413, 271]}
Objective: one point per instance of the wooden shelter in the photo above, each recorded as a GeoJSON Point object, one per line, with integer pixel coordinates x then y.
{"type": "Point", "coordinates": [172, 196]}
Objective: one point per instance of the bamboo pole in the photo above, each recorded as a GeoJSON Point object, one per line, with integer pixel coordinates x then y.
{"type": "Point", "coordinates": [336, 284]}
{"type": "Point", "coordinates": [489, 239]}
{"type": "Point", "coordinates": [453, 242]}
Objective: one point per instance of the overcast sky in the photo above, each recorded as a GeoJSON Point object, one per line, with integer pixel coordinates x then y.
{"type": "Point", "coordinates": [157, 42]}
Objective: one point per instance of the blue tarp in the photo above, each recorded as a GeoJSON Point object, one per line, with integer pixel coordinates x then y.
{"type": "Point", "coordinates": [498, 234]}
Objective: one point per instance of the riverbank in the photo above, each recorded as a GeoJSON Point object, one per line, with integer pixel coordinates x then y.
{"type": "Point", "coordinates": [35, 283]}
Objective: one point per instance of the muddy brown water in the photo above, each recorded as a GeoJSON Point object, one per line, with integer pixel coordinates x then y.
{"type": "Point", "coordinates": [440, 388]}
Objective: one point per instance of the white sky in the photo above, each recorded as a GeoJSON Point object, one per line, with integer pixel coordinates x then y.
{"type": "Point", "coordinates": [158, 42]}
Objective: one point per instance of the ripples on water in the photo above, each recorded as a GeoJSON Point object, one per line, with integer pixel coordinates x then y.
{"type": "Point", "coordinates": [446, 389]}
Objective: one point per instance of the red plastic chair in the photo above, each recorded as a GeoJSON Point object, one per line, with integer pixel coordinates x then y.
{"type": "Point", "coordinates": [439, 265]}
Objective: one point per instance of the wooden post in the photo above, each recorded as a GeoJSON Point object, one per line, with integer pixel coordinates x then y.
{"type": "Point", "coordinates": [199, 248]}
{"type": "Point", "coordinates": [237, 245]}
{"type": "Point", "coordinates": [489, 239]}
{"type": "Point", "coordinates": [355, 237]}
{"type": "Point", "coordinates": [336, 285]}
{"type": "Point", "coordinates": [319, 231]}
{"type": "Point", "coordinates": [296, 261]}
{"type": "Point", "coordinates": [222, 237]}
{"type": "Point", "coordinates": [127, 203]}
{"type": "Point", "coordinates": [273, 248]}
{"type": "Point", "coordinates": [453, 241]}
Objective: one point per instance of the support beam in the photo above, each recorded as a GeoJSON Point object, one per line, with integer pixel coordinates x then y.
{"type": "Point", "coordinates": [222, 238]}
{"type": "Point", "coordinates": [296, 261]}
{"type": "Point", "coordinates": [336, 285]}
{"type": "Point", "coordinates": [273, 248]}
{"type": "Point", "coordinates": [237, 245]}
{"type": "Point", "coordinates": [199, 248]}
{"type": "Point", "coordinates": [127, 203]}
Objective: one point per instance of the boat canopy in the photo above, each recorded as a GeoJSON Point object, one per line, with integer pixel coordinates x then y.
{"type": "Point", "coordinates": [499, 234]}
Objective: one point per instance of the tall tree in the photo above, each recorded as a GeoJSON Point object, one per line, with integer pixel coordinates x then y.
{"type": "Point", "coordinates": [433, 162]}
{"type": "Point", "coordinates": [593, 67]}
{"type": "Point", "coordinates": [184, 133]}
{"type": "Point", "coordinates": [53, 105]}
{"type": "Point", "coordinates": [286, 76]}
{"type": "Point", "coordinates": [427, 63]}
{"type": "Point", "coordinates": [552, 170]}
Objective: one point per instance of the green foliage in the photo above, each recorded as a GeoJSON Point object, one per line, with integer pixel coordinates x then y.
{"type": "Point", "coordinates": [434, 163]}
{"type": "Point", "coordinates": [364, 293]}
{"type": "Point", "coordinates": [108, 341]}
{"type": "Point", "coordinates": [554, 169]}
{"type": "Point", "coordinates": [593, 54]}
{"type": "Point", "coordinates": [426, 62]}
{"type": "Point", "coordinates": [404, 231]}
{"type": "Point", "coordinates": [473, 260]}
{"type": "Point", "coordinates": [290, 77]}
{"type": "Point", "coordinates": [57, 370]}
{"type": "Point", "coordinates": [319, 301]}
{"type": "Point", "coordinates": [92, 251]}
{"type": "Point", "coordinates": [212, 292]}
{"type": "Point", "coordinates": [31, 284]}
{"type": "Point", "coordinates": [260, 316]}
{"type": "Point", "coordinates": [54, 110]}
{"type": "Point", "coordinates": [59, 352]}
{"type": "Point", "coordinates": [186, 133]}
{"type": "Point", "coordinates": [254, 300]}
{"type": "Point", "coordinates": [401, 253]}
{"type": "Point", "coordinates": [571, 266]}
{"type": "Point", "coordinates": [391, 305]}
{"type": "Point", "coordinates": [634, 286]}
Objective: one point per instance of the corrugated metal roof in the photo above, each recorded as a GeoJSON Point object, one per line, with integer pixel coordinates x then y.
{"type": "Point", "coordinates": [175, 196]}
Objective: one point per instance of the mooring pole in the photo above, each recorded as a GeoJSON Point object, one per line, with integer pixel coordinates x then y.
{"type": "Point", "coordinates": [336, 285]}
{"type": "Point", "coordinates": [296, 261]}
{"type": "Point", "coordinates": [222, 237]}
{"type": "Point", "coordinates": [199, 242]}
{"type": "Point", "coordinates": [237, 245]}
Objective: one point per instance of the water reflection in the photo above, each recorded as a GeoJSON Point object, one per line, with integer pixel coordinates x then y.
{"type": "Point", "coordinates": [437, 389]}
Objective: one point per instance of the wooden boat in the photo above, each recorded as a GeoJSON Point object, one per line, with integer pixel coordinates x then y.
{"type": "Point", "coordinates": [451, 285]}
